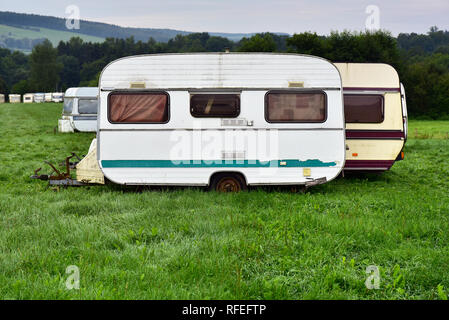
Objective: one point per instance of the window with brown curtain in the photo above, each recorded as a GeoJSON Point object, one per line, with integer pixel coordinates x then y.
{"type": "Point", "coordinates": [215, 105]}
{"type": "Point", "coordinates": [364, 108]}
{"type": "Point", "coordinates": [138, 107]}
{"type": "Point", "coordinates": [295, 107]}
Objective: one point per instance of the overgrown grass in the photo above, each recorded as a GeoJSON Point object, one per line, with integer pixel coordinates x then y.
{"type": "Point", "coordinates": [425, 129]}
{"type": "Point", "coordinates": [191, 244]}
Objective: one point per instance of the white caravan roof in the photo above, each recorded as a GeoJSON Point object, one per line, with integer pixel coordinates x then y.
{"type": "Point", "coordinates": [81, 92]}
{"type": "Point", "coordinates": [220, 70]}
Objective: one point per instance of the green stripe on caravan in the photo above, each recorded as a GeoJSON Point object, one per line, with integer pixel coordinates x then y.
{"type": "Point", "coordinates": [292, 163]}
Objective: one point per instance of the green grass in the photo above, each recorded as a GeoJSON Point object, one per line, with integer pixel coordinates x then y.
{"type": "Point", "coordinates": [425, 129]}
{"type": "Point", "coordinates": [191, 244]}
{"type": "Point", "coordinates": [53, 35]}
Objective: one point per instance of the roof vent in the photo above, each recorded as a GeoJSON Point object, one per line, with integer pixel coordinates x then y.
{"type": "Point", "coordinates": [137, 85]}
{"type": "Point", "coordinates": [296, 84]}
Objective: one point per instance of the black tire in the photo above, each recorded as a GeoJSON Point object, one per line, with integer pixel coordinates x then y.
{"type": "Point", "coordinates": [228, 182]}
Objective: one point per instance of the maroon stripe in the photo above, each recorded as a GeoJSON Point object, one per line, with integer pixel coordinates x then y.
{"type": "Point", "coordinates": [369, 164]}
{"type": "Point", "coordinates": [374, 134]}
{"type": "Point", "coordinates": [371, 89]}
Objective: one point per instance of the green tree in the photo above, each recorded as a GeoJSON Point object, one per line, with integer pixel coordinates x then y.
{"type": "Point", "coordinates": [22, 87]}
{"type": "Point", "coordinates": [44, 67]}
{"type": "Point", "coordinates": [3, 86]}
{"type": "Point", "coordinates": [70, 73]}
{"type": "Point", "coordinates": [261, 42]}
{"type": "Point", "coordinates": [427, 87]}
{"type": "Point", "coordinates": [308, 43]}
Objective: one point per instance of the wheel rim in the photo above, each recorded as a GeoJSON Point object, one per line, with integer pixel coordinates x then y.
{"type": "Point", "coordinates": [228, 184]}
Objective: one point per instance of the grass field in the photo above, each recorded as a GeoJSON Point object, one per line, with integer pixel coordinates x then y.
{"type": "Point", "coordinates": [191, 244]}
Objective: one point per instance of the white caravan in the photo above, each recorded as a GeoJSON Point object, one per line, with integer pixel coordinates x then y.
{"type": "Point", "coordinates": [223, 120]}
{"type": "Point", "coordinates": [79, 110]}
{"type": "Point", "coordinates": [14, 98]}
{"type": "Point", "coordinates": [28, 98]}
{"type": "Point", "coordinates": [48, 97]}
{"type": "Point", "coordinates": [2, 98]}
{"type": "Point", "coordinates": [39, 97]}
{"type": "Point", "coordinates": [57, 97]}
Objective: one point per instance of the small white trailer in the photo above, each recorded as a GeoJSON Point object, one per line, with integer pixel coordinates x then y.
{"type": "Point", "coordinates": [57, 97]}
{"type": "Point", "coordinates": [48, 97]}
{"type": "Point", "coordinates": [39, 97]}
{"type": "Point", "coordinates": [28, 98]}
{"type": "Point", "coordinates": [2, 98]}
{"type": "Point", "coordinates": [223, 120]}
{"type": "Point", "coordinates": [79, 111]}
{"type": "Point", "coordinates": [14, 98]}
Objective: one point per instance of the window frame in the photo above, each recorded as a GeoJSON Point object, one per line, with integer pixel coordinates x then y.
{"type": "Point", "coordinates": [84, 99]}
{"type": "Point", "coordinates": [126, 92]}
{"type": "Point", "coordinates": [382, 95]}
{"type": "Point", "coordinates": [296, 92]}
{"type": "Point", "coordinates": [71, 107]}
{"type": "Point", "coordinates": [238, 95]}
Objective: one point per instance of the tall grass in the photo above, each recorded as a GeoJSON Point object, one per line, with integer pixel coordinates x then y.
{"type": "Point", "coordinates": [185, 243]}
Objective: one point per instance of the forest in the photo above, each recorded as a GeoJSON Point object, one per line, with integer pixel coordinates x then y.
{"type": "Point", "coordinates": [422, 60]}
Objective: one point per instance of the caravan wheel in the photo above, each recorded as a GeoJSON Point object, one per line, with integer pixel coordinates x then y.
{"type": "Point", "coordinates": [228, 182]}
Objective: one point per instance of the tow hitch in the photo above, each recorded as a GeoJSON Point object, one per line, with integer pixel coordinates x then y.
{"type": "Point", "coordinates": [58, 177]}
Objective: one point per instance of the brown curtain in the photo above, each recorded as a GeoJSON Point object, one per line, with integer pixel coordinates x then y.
{"type": "Point", "coordinates": [145, 107]}
{"type": "Point", "coordinates": [296, 107]}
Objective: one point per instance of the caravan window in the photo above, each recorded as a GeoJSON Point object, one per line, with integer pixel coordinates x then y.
{"type": "Point", "coordinates": [87, 106]}
{"type": "Point", "coordinates": [364, 108]}
{"type": "Point", "coordinates": [295, 106]}
{"type": "Point", "coordinates": [215, 105]}
{"type": "Point", "coordinates": [138, 107]}
{"type": "Point", "coordinates": [68, 105]}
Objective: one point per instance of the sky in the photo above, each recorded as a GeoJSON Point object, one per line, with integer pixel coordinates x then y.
{"type": "Point", "coordinates": [248, 16]}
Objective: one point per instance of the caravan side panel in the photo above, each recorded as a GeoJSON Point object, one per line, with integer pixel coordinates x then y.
{"type": "Point", "coordinates": [187, 150]}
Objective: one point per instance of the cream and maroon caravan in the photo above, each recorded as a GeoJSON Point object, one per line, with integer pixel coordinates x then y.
{"type": "Point", "coordinates": [375, 115]}
{"type": "Point", "coordinates": [223, 120]}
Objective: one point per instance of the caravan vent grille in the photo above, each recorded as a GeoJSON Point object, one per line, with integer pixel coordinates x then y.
{"type": "Point", "coordinates": [137, 85]}
{"type": "Point", "coordinates": [233, 155]}
{"type": "Point", "coordinates": [233, 122]}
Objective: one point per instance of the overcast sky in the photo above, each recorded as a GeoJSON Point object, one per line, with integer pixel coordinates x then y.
{"type": "Point", "coordinates": [237, 16]}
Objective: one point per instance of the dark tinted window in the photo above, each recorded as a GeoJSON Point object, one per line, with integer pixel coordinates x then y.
{"type": "Point", "coordinates": [364, 108]}
{"type": "Point", "coordinates": [87, 106]}
{"type": "Point", "coordinates": [215, 105]}
{"type": "Point", "coordinates": [295, 107]}
{"type": "Point", "coordinates": [142, 107]}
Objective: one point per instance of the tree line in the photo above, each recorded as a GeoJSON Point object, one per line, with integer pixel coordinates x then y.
{"type": "Point", "coordinates": [421, 60]}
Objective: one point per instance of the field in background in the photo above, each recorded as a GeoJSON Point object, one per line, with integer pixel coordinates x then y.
{"type": "Point", "coordinates": [38, 33]}
{"type": "Point", "coordinates": [189, 244]}
{"type": "Point", "coordinates": [425, 129]}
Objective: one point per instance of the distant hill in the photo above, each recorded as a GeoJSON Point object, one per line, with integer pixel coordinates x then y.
{"type": "Point", "coordinates": [24, 38]}
{"type": "Point", "coordinates": [27, 27]}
